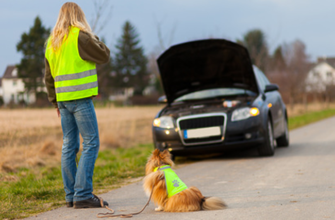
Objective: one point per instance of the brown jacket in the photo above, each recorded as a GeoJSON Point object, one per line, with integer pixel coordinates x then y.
{"type": "Point", "coordinates": [89, 49]}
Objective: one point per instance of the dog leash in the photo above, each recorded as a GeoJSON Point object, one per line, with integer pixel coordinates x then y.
{"type": "Point", "coordinates": [111, 214]}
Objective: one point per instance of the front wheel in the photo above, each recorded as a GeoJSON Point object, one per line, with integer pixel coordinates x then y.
{"type": "Point", "coordinates": [268, 147]}
{"type": "Point", "coordinates": [284, 140]}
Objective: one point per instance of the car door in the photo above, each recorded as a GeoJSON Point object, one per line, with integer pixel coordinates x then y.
{"type": "Point", "coordinates": [276, 109]}
{"type": "Point", "coordinates": [272, 99]}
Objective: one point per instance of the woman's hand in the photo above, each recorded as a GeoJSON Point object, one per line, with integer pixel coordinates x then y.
{"type": "Point", "coordinates": [58, 113]}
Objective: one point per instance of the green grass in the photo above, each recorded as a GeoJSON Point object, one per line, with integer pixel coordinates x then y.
{"type": "Point", "coordinates": [29, 192]}
{"type": "Point", "coordinates": [307, 118]}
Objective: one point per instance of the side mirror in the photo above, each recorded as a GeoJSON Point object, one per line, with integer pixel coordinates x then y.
{"type": "Point", "coordinates": [271, 87]}
{"type": "Point", "coordinates": [162, 99]}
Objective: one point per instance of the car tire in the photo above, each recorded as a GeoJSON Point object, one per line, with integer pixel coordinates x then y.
{"type": "Point", "coordinates": [268, 147]}
{"type": "Point", "coordinates": [284, 140]}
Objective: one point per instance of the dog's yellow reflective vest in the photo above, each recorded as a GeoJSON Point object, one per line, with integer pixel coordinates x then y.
{"type": "Point", "coordinates": [173, 183]}
{"type": "Point", "coordinates": [74, 77]}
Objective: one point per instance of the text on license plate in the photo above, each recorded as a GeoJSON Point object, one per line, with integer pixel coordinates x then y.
{"type": "Point", "coordinates": [202, 132]}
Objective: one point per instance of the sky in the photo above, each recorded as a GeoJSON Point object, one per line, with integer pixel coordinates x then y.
{"type": "Point", "coordinates": [178, 21]}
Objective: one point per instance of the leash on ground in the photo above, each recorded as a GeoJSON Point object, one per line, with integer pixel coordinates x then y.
{"type": "Point", "coordinates": [111, 214]}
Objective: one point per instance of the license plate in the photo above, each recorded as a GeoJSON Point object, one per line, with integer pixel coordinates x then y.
{"type": "Point", "coordinates": [202, 132]}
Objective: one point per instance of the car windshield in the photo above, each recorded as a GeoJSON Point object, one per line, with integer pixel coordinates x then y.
{"type": "Point", "coordinates": [213, 93]}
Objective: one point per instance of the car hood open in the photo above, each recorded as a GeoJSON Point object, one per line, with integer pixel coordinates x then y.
{"type": "Point", "coordinates": [205, 64]}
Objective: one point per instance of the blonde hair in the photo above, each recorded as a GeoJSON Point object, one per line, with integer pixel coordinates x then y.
{"type": "Point", "coordinates": [70, 14]}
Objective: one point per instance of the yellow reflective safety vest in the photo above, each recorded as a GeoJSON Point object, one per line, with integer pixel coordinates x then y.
{"type": "Point", "coordinates": [173, 183]}
{"type": "Point", "coordinates": [74, 77]}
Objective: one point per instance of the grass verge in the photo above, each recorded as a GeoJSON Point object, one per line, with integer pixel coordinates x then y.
{"type": "Point", "coordinates": [31, 191]}
{"type": "Point", "coordinates": [307, 118]}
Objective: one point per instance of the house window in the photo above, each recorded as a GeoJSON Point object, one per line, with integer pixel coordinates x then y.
{"type": "Point", "coordinates": [14, 82]}
{"type": "Point", "coordinates": [315, 74]}
{"type": "Point", "coordinates": [14, 73]}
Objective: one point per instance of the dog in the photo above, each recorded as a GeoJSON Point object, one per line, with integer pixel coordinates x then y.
{"type": "Point", "coordinates": [170, 193]}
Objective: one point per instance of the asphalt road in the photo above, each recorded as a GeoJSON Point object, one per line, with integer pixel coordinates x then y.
{"type": "Point", "coordinates": [297, 183]}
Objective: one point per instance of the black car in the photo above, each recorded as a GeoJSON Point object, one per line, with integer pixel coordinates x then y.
{"type": "Point", "coordinates": [216, 100]}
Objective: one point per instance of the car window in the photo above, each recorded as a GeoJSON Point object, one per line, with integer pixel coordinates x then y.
{"type": "Point", "coordinates": [266, 81]}
{"type": "Point", "coordinates": [212, 93]}
{"type": "Point", "coordinates": [261, 78]}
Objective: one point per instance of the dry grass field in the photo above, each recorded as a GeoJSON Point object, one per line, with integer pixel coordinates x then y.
{"type": "Point", "coordinates": [299, 109]}
{"type": "Point", "coordinates": [33, 137]}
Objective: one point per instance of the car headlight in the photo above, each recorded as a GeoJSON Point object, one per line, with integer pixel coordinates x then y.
{"type": "Point", "coordinates": [244, 113]}
{"type": "Point", "coordinates": [163, 122]}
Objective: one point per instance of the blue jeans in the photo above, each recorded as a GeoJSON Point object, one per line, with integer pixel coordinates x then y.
{"type": "Point", "coordinates": [78, 116]}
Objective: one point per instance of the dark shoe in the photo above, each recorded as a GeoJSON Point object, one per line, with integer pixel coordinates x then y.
{"type": "Point", "coordinates": [69, 204]}
{"type": "Point", "coordinates": [93, 202]}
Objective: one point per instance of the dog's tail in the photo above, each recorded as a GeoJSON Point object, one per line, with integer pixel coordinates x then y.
{"type": "Point", "coordinates": [212, 203]}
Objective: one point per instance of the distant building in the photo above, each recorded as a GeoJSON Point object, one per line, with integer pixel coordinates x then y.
{"type": "Point", "coordinates": [122, 94]}
{"type": "Point", "coordinates": [13, 88]}
{"type": "Point", "coordinates": [321, 75]}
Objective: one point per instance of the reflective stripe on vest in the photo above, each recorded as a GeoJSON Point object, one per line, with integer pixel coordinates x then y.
{"type": "Point", "coordinates": [74, 77]}
{"type": "Point", "coordinates": [173, 183]}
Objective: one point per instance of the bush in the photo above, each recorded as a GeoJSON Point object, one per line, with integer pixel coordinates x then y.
{"type": "Point", "coordinates": [144, 100]}
{"type": "Point", "coordinates": [42, 100]}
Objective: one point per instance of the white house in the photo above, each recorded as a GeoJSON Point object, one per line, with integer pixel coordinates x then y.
{"type": "Point", "coordinates": [122, 94]}
{"type": "Point", "coordinates": [13, 88]}
{"type": "Point", "coordinates": [321, 75]}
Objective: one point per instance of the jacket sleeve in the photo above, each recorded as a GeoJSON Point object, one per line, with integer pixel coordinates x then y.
{"type": "Point", "coordinates": [50, 84]}
{"type": "Point", "coordinates": [91, 49]}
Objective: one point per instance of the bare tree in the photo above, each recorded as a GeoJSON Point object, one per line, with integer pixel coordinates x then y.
{"type": "Point", "coordinates": [165, 40]}
{"type": "Point", "coordinates": [289, 67]}
{"type": "Point", "coordinates": [277, 62]}
{"type": "Point", "coordinates": [154, 72]}
{"type": "Point", "coordinates": [330, 92]}
{"type": "Point", "coordinates": [102, 15]}
{"type": "Point", "coordinates": [297, 68]}
{"type": "Point", "coordinates": [100, 18]}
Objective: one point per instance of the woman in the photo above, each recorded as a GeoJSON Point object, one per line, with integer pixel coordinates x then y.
{"type": "Point", "coordinates": [70, 75]}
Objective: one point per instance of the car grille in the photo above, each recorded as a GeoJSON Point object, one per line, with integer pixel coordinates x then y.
{"type": "Point", "coordinates": [202, 121]}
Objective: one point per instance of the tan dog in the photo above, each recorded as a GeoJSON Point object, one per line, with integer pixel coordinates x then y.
{"type": "Point", "coordinates": [170, 193]}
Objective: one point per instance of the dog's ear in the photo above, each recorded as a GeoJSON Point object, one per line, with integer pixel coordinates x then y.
{"type": "Point", "coordinates": [166, 152]}
{"type": "Point", "coordinates": [156, 152]}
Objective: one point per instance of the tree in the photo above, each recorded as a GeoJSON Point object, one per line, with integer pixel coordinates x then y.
{"type": "Point", "coordinates": [277, 72]}
{"type": "Point", "coordinates": [297, 68]}
{"type": "Point", "coordinates": [130, 64]}
{"type": "Point", "coordinates": [153, 69]}
{"type": "Point", "coordinates": [101, 16]}
{"type": "Point", "coordinates": [277, 60]}
{"type": "Point", "coordinates": [31, 66]}
{"type": "Point", "coordinates": [105, 79]}
{"type": "Point", "coordinates": [288, 68]}
{"type": "Point", "coordinates": [255, 42]}
{"type": "Point", "coordinates": [162, 37]}
{"type": "Point", "coordinates": [100, 7]}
